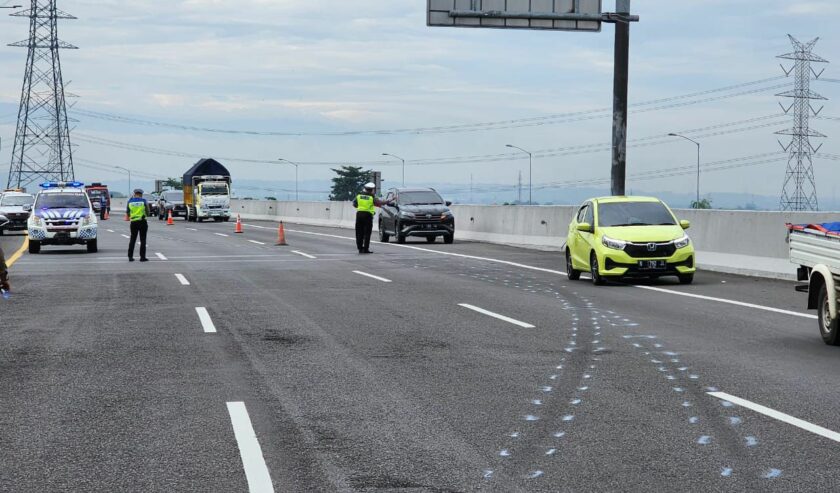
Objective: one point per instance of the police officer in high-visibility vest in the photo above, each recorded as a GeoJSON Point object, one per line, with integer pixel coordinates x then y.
{"type": "Point", "coordinates": [365, 204]}
{"type": "Point", "coordinates": [137, 210]}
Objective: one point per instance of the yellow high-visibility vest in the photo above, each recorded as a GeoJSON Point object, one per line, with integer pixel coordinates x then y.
{"type": "Point", "coordinates": [365, 203]}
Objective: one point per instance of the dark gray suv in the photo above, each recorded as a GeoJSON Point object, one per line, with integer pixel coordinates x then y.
{"type": "Point", "coordinates": [416, 212]}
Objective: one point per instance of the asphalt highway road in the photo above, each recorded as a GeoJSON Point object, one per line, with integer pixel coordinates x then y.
{"type": "Point", "coordinates": [230, 364]}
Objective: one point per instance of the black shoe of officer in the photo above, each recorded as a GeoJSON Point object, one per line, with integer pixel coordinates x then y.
{"type": "Point", "coordinates": [144, 260]}
{"type": "Point", "coordinates": [368, 251]}
{"type": "Point", "coordinates": [131, 259]}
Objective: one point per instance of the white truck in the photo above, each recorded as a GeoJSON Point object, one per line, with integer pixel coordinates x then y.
{"type": "Point", "coordinates": [207, 191]}
{"type": "Point", "coordinates": [816, 250]}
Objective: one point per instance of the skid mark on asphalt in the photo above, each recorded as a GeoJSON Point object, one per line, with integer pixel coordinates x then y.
{"type": "Point", "coordinates": [530, 449]}
{"type": "Point", "coordinates": [669, 364]}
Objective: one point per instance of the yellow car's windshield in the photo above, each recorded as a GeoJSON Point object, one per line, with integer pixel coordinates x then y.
{"type": "Point", "coordinates": [634, 214]}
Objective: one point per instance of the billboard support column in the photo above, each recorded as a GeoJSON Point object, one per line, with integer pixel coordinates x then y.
{"type": "Point", "coordinates": [621, 81]}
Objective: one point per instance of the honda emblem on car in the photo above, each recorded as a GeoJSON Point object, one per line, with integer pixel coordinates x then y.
{"type": "Point", "coordinates": [651, 247]}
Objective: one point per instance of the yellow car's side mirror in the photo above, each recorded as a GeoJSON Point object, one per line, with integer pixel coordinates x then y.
{"type": "Point", "coordinates": [584, 227]}
{"type": "Point", "coordinates": [685, 224]}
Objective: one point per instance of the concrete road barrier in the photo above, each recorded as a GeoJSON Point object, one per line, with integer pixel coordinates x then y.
{"type": "Point", "coordinates": [741, 242]}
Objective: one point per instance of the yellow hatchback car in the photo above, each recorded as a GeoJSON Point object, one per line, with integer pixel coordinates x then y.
{"type": "Point", "coordinates": [614, 237]}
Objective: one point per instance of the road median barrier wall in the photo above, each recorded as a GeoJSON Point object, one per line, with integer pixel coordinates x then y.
{"type": "Point", "coordinates": [741, 242]}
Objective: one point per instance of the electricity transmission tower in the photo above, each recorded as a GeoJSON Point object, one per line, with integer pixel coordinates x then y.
{"type": "Point", "coordinates": [42, 150]}
{"type": "Point", "coordinates": [800, 192]}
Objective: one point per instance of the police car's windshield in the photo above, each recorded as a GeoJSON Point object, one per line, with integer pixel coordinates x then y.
{"type": "Point", "coordinates": [61, 201]}
{"type": "Point", "coordinates": [216, 189]}
{"type": "Point", "coordinates": [634, 214]}
{"type": "Point", "coordinates": [422, 197]}
{"type": "Point", "coordinates": [17, 200]}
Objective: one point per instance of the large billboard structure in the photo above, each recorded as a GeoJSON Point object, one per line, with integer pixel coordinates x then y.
{"type": "Point", "coordinates": [556, 15]}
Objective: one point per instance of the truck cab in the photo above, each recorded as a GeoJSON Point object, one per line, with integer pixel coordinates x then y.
{"type": "Point", "coordinates": [62, 215]}
{"type": "Point", "coordinates": [99, 197]}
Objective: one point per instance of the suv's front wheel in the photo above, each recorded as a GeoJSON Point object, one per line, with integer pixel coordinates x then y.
{"type": "Point", "coordinates": [398, 231]}
{"type": "Point", "coordinates": [449, 239]}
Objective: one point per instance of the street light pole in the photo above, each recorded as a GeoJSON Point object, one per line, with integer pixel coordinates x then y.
{"type": "Point", "coordinates": [403, 165]}
{"type": "Point", "coordinates": [296, 165]}
{"type": "Point", "coordinates": [129, 179]}
{"type": "Point", "coordinates": [530, 173]}
{"type": "Point", "coordinates": [698, 161]}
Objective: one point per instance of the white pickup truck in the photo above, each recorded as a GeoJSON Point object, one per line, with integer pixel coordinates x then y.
{"type": "Point", "coordinates": [816, 250]}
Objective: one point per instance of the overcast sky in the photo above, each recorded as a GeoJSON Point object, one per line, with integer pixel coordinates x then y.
{"type": "Point", "coordinates": [323, 66]}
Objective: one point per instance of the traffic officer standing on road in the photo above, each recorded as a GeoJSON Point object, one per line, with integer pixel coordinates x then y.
{"type": "Point", "coordinates": [137, 210]}
{"type": "Point", "coordinates": [366, 204]}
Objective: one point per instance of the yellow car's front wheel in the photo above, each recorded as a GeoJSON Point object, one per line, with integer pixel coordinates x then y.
{"type": "Point", "coordinates": [572, 273]}
{"type": "Point", "coordinates": [595, 270]}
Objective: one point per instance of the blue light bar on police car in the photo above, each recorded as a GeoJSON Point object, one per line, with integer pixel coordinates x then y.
{"type": "Point", "coordinates": [62, 184]}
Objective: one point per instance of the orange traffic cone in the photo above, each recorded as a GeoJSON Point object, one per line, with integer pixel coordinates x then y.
{"type": "Point", "coordinates": [106, 216]}
{"type": "Point", "coordinates": [169, 221]}
{"type": "Point", "coordinates": [281, 235]}
{"type": "Point", "coordinates": [238, 224]}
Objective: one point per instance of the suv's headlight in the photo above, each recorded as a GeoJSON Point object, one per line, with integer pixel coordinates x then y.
{"type": "Point", "coordinates": [682, 242]}
{"type": "Point", "coordinates": [407, 215]}
{"type": "Point", "coordinates": [612, 243]}
{"type": "Point", "coordinates": [36, 220]}
{"type": "Point", "coordinates": [87, 220]}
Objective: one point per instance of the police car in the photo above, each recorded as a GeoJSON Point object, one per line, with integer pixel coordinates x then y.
{"type": "Point", "coordinates": [62, 215]}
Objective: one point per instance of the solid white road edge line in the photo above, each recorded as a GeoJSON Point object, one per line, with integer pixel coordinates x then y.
{"type": "Point", "coordinates": [160, 256]}
{"type": "Point", "coordinates": [496, 315]}
{"type": "Point", "coordinates": [371, 276]}
{"type": "Point", "coordinates": [255, 242]}
{"type": "Point", "coordinates": [561, 273]}
{"type": "Point", "coordinates": [730, 302]}
{"type": "Point", "coordinates": [206, 321]}
{"type": "Point", "coordinates": [256, 470]}
{"type": "Point", "coordinates": [817, 430]}
{"type": "Point", "coordinates": [182, 279]}
{"type": "Point", "coordinates": [221, 234]}
{"type": "Point", "coordinates": [304, 254]}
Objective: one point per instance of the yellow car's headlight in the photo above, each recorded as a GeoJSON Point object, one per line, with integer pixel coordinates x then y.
{"type": "Point", "coordinates": [613, 243]}
{"type": "Point", "coordinates": [682, 242]}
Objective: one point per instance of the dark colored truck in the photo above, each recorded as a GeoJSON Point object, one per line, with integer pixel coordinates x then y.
{"type": "Point", "coordinates": [99, 196]}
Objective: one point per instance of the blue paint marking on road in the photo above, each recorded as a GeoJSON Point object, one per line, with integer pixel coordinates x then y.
{"type": "Point", "coordinates": [568, 417]}
{"type": "Point", "coordinates": [504, 453]}
{"type": "Point", "coordinates": [726, 404]}
{"type": "Point", "coordinates": [488, 474]}
{"type": "Point", "coordinates": [551, 451]}
{"type": "Point", "coordinates": [751, 441]}
{"type": "Point", "coordinates": [547, 388]}
{"type": "Point", "coordinates": [726, 472]}
{"type": "Point", "coordinates": [694, 377]}
{"type": "Point", "coordinates": [711, 389]}
{"type": "Point", "coordinates": [686, 404]}
{"type": "Point", "coordinates": [535, 474]}
{"type": "Point", "coordinates": [583, 389]}
{"type": "Point", "coordinates": [773, 473]}
{"type": "Point", "coordinates": [531, 417]}
{"type": "Point", "coordinates": [735, 420]}
{"type": "Point", "coordinates": [536, 402]}
{"type": "Point", "coordinates": [559, 434]}
{"type": "Point", "coordinates": [515, 434]}
{"type": "Point", "coordinates": [704, 440]}
{"type": "Point", "coordinates": [679, 389]}
{"type": "Point", "coordinates": [694, 420]}
{"type": "Point", "coordinates": [575, 402]}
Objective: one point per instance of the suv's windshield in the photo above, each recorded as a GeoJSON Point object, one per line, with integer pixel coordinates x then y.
{"type": "Point", "coordinates": [214, 189]}
{"type": "Point", "coordinates": [417, 198]}
{"type": "Point", "coordinates": [634, 214]}
{"type": "Point", "coordinates": [17, 200]}
{"type": "Point", "coordinates": [173, 196]}
{"type": "Point", "coordinates": [62, 201]}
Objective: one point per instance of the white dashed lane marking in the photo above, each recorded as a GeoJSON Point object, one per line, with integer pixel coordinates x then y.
{"type": "Point", "coordinates": [206, 321]}
{"type": "Point", "coordinates": [255, 242]}
{"type": "Point", "coordinates": [221, 234]}
{"type": "Point", "coordinates": [371, 276]}
{"type": "Point", "coordinates": [183, 280]}
{"type": "Point", "coordinates": [785, 418]}
{"type": "Point", "coordinates": [304, 254]}
{"type": "Point", "coordinates": [161, 256]}
{"type": "Point", "coordinates": [126, 237]}
{"type": "Point", "coordinates": [497, 316]}
{"type": "Point", "coordinates": [256, 470]}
